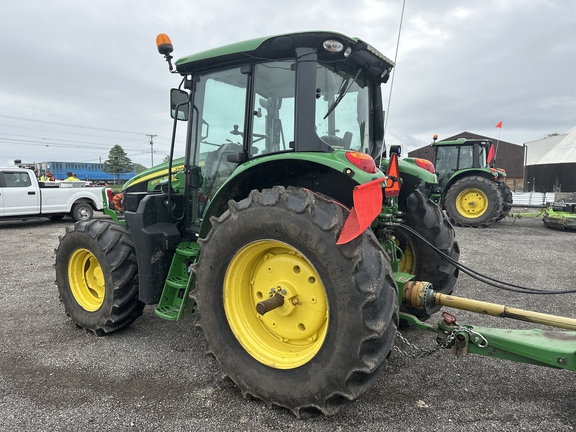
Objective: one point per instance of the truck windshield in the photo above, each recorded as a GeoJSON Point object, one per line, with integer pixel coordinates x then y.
{"type": "Point", "coordinates": [342, 108]}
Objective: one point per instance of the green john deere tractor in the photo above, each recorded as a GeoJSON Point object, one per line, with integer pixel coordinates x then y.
{"type": "Point", "coordinates": [287, 230]}
{"type": "Point", "coordinates": [473, 193]}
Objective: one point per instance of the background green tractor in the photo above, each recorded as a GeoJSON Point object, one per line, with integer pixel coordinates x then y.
{"type": "Point", "coordinates": [282, 227]}
{"type": "Point", "coordinates": [473, 193]}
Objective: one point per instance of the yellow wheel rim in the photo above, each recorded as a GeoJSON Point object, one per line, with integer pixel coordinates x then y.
{"type": "Point", "coordinates": [86, 280]}
{"type": "Point", "coordinates": [290, 335]}
{"type": "Point", "coordinates": [471, 203]}
{"type": "Point", "coordinates": [408, 261]}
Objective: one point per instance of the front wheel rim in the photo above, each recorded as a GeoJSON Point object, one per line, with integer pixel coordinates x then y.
{"type": "Point", "coordinates": [290, 335]}
{"type": "Point", "coordinates": [86, 280]}
{"type": "Point", "coordinates": [471, 203]}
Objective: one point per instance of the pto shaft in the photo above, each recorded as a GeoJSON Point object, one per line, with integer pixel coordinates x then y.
{"type": "Point", "coordinates": [421, 295]}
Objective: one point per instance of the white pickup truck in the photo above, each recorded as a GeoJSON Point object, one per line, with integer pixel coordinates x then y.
{"type": "Point", "coordinates": [22, 196]}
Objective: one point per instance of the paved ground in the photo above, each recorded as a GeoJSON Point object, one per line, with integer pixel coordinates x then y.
{"type": "Point", "coordinates": [155, 376]}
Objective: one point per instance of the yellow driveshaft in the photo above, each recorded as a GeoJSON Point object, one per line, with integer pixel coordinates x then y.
{"type": "Point", "coordinates": [421, 295]}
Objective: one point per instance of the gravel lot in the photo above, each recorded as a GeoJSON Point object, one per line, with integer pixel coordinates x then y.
{"type": "Point", "coordinates": [155, 375]}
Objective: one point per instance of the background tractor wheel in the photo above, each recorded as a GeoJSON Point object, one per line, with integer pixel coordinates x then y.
{"type": "Point", "coordinates": [506, 198]}
{"type": "Point", "coordinates": [328, 341]}
{"type": "Point", "coordinates": [421, 260]}
{"type": "Point", "coordinates": [97, 276]}
{"type": "Point", "coordinates": [474, 202]}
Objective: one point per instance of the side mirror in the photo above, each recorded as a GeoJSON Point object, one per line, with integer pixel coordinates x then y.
{"type": "Point", "coordinates": [179, 104]}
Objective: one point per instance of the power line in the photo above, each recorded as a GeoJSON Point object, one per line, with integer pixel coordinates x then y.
{"type": "Point", "coordinates": [51, 142]}
{"type": "Point", "coordinates": [69, 125]}
{"type": "Point", "coordinates": [61, 132]}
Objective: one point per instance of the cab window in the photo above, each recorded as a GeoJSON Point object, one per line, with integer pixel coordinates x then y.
{"type": "Point", "coordinates": [273, 116]}
{"type": "Point", "coordinates": [17, 179]}
{"type": "Point", "coordinates": [343, 103]}
{"type": "Point", "coordinates": [220, 99]}
{"type": "Point", "coordinates": [466, 159]}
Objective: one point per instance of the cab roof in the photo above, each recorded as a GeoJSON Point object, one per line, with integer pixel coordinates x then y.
{"type": "Point", "coordinates": [462, 141]}
{"type": "Point", "coordinates": [285, 46]}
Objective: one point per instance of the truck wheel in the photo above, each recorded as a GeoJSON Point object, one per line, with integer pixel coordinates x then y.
{"type": "Point", "coordinates": [506, 198]}
{"type": "Point", "coordinates": [97, 276]}
{"type": "Point", "coordinates": [328, 341]}
{"type": "Point", "coordinates": [474, 202]}
{"type": "Point", "coordinates": [421, 260]}
{"type": "Point", "coordinates": [82, 211]}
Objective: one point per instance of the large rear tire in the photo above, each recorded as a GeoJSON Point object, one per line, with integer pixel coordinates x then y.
{"type": "Point", "coordinates": [97, 276]}
{"type": "Point", "coordinates": [474, 202]}
{"type": "Point", "coordinates": [329, 340]}
{"type": "Point", "coordinates": [421, 260]}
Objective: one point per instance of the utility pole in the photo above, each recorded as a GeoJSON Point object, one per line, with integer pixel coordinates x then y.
{"type": "Point", "coordinates": [152, 149]}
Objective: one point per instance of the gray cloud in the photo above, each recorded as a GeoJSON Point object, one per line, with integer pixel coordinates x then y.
{"type": "Point", "coordinates": [461, 66]}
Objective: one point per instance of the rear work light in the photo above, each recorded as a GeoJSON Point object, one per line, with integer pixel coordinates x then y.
{"type": "Point", "coordinates": [362, 161]}
{"type": "Point", "coordinates": [426, 164]}
{"type": "Point", "coordinates": [333, 46]}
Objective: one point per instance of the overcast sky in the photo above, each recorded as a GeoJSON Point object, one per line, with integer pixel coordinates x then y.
{"type": "Point", "coordinates": [78, 77]}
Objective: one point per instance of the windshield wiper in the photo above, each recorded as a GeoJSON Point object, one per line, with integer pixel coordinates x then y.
{"type": "Point", "coordinates": [344, 87]}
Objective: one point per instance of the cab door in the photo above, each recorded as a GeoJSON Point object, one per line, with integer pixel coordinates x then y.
{"type": "Point", "coordinates": [19, 195]}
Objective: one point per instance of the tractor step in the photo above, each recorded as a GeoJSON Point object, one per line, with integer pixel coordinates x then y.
{"type": "Point", "coordinates": [174, 302]}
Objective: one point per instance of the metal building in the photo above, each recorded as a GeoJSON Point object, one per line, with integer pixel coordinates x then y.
{"type": "Point", "coordinates": [551, 163]}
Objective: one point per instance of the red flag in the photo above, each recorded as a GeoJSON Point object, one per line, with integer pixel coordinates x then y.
{"type": "Point", "coordinates": [499, 125]}
{"type": "Point", "coordinates": [490, 154]}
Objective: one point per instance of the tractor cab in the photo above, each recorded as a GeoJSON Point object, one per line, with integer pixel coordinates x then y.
{"type": "Point", "coordinates": [268, 109]}
{"type": "Point", "coordinates": [462, 154]}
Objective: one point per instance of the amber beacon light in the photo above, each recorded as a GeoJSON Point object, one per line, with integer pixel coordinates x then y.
{"type": "Point", "coordinates": [164, 45]}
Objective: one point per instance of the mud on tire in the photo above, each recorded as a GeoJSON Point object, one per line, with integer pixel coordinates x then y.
{"type": "Point", "coordinates": [97, 276]}
{"type": "Point", "coordinates": [342, 299]}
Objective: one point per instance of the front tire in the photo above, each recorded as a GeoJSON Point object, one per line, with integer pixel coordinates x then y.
{"type": "Point", "coordinates": [421, 260]}
{"type": "Point", "coordinates": [97, 276]}
{"type": "Point", "coordinates": [329, 340]}
{"type": "Point", "coordinates": [474, 202]}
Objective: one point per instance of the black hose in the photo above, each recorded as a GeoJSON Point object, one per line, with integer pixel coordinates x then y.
{"type": "Point", "coordinates": [483, 278]}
